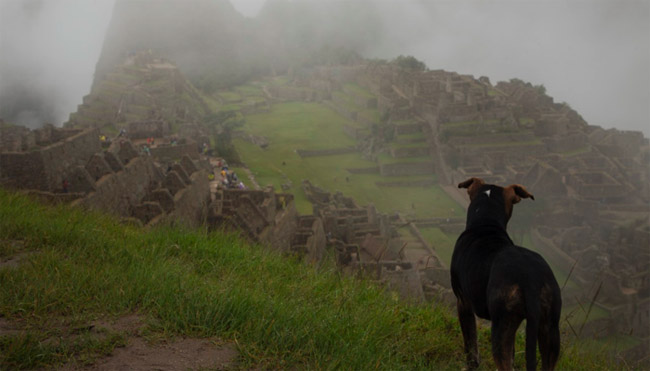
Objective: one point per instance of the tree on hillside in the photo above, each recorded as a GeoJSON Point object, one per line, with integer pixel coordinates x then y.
{"type": "Point", "coordinates": [221, 125]}
{"type": "Point", "coordinates": [410, 63]}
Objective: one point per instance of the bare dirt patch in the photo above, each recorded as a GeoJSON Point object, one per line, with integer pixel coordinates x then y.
{"type": "Point", "coordinates": [136, 353]}
{"type": "Point", "coordinates": [180, 354]}
{"type": "Point", "coordinates": [8, 328]}
{"type": "Point", "coordinates": [12, 253]}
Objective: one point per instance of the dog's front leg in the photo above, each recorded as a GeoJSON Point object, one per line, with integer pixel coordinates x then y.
{"type": "Point", "coordinates": [468, 327]}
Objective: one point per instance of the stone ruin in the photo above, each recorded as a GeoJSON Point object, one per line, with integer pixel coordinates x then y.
{"type": "Point", "coordinates": [119, 179]}
{"type": "Point", "coordinates": [145, 95]}
{"type": "Point", "coordinates": [367, 243]}
{"type": "Point", "coordinates": [271, 219]}
{"type": "Point", "coordinates": [167, 186]}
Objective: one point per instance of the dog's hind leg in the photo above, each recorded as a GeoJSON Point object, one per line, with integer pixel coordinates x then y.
{"type": "Point", "coordinates": [503, 341]}
{"type": "Point", "coordinates": [549, 344]}
{"type": "Point", "coordinates": [532, 332]}
{"type": "Point", "coordinates": [468, 327]}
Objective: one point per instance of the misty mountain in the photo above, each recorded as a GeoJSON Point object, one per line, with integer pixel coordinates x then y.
{"type": "Point", "coordinates": [595, 56]}
{"type": "Point", "coordinates": [292, 32]}
{"type": "Point", "coordinates": [215, 46]}
{"type": "Point", "coordinates": [203, 37]}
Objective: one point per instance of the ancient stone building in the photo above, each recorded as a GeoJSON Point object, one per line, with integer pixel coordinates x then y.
{"type": "Point", "coordinates": [270, 219]}
{"type": "Point", "coordinates": [70, 165]}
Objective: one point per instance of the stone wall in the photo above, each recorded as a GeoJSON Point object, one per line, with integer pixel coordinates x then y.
{"type": "Point", "coordinates": [414, 183]}
{"type": "Point", "coordinates": [406, 168]}
{"type": "Point", "coordinates": [566, 143]}
{"type": "Point", "coordinates": [484, 139]}
{"type": "Point", "coordinates": [410, 128]}
{"type": "Point", "coordinates": [23, 170]}
{"type": "Point", "coordinates": [119, 192]}
{"type": "Point", "coordinates": [309, 241]}
{"type": "Point", "coordinates": [325, 152]}
{"type": "Point", "coordinates": [45, 168]}
{"type": "Point", "coordinates": [191, 203]}
{"type": "Point", "coordinates": [292, 93]}
{"type": "Point", "coordinates": [402, 152]}
{"type": "Point", "coordinates": [168, 152]}
{"type": "Point", "coordinates": [16, 138]}
{"type": "Point", "coordinates": [72, 151]}
{"type": "Point", "coordinates": [146, 129]}
{"type": "Point", "coordinates": [596, 185]}
{"type": "Point", "coordinates": [363, 170]}
{"type": "Point", "coordinates": [361, 100]}
{"type": "Point", "coordinates": [341, 109]}
{"type": "Point", "coordinates": [355, 132]}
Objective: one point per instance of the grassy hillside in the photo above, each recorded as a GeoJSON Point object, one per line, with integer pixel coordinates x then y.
{"type": "Point", "coordinates": [78, 267]}
{"type": "Point", "coordinates": [311, 126]}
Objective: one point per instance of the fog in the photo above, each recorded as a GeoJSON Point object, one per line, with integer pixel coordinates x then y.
{"type": "Point", "coordinates": [594, 55]}
{"type": "Point", "coordinates": [48, 51]}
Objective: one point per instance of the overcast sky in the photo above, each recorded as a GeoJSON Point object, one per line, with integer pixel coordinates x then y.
{"type": "Point", "coordinates": [595, 55]}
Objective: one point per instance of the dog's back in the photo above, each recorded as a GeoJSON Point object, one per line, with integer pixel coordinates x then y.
{"type": "Point", "coordinates": [499, 281]}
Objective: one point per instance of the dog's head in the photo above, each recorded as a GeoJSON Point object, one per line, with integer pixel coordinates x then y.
{"type": "Point", "coordinates": [493, 199]}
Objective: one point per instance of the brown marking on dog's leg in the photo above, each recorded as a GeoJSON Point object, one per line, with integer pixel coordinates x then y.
{"type": "Point", "coordinates": [468, 327]}
{"type": "Point", "coordinates": [549, 332]}
{"type": "Point", "coordinates": [503, 341]}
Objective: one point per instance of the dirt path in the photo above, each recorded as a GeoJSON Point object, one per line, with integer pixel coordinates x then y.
{"type": "Point", "coordinates": [183, 354]}
{"type": "Point", "coordinates": [138, 354]}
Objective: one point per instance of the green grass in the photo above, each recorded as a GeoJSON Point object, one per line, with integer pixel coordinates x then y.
{"type": "Point", "coordinates": [357, 90]}
{"type": "Point", "coordinates": [386, 158]}
{"type": "Point", "coordinates": [504, 144]}
{"type": "Point", "coordinates": [346, 101]}
{"type": "Point", "coordinates": [300, 126]}
{"type": "Point", "coordinates": [292, 126]}
{"type": "Point", "coordinates": [242, 176]}
{"type": "Point", "coordinates": [371, 114]}
{"type": "Point", "coordinates": [396, 145]}
{"type": "Point", "coordinates": [442, 243]}
{"type": "Point", "coordinates": [412, 138]}
{"type": "Point", "coordinates": [230, 96]}
{"type": "Point", "coordinates": [577, 314]}
{"type": "Point", "coordinates": [249, 90]}
{"type": "Point", "coordinates": [281, 313]}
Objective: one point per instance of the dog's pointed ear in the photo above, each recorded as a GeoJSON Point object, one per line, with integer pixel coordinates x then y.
{"type": "Point", "coordinates": [517, 192]}
{"type": "Point", "coordinates": [472, 185]}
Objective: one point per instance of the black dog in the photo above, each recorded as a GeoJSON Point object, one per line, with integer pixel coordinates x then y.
{"type": "Point", "coordinates": [499, 281]}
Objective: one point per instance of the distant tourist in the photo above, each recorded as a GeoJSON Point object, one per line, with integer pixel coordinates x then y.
{"type": "Point", "coordinates": [65, 185]}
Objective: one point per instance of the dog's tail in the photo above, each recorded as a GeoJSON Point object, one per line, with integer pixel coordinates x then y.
{"type": "Point", "coordinates": [533, 314]}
